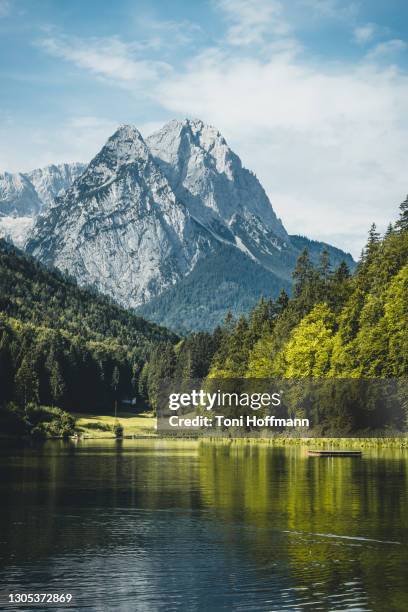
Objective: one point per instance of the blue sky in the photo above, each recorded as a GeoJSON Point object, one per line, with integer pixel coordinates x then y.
{"type": "Point", "coordinates": [312, 94]}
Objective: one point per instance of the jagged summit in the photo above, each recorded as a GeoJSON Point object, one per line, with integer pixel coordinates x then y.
{"type": "Point", "coordinates": [206, 133]}
{"type": "Point", "coordinates": [128, 141]}
{"type": "Point", "coordinates": [125, 146]}
{"type": "Point", "coordinates": [175, 211]}
{"type": "Point", "coordinates": [209, 177]}
{"type": "Point", "coordinates": [120, 226]}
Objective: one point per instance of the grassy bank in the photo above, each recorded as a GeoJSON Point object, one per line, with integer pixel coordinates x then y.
{"type": "Point", "coordinates": [101, 426]}
{"type": "Point", "coordinates": [360, 442]}
{"type": "Point", "coordinates": [144, 425]}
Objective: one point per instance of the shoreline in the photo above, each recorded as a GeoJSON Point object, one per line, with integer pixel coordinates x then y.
{"type": "Point", "coordinates": [142, 426]}
{"type": "Point", "coordinates": [321, 443]}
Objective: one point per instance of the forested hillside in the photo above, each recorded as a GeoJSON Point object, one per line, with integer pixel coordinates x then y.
{"type": "Point", "coordinates": [72, 349]}
{"type": "Point", "coordinates": [63, 346]}
{"type": "Point", "coordinates": [336, 325]}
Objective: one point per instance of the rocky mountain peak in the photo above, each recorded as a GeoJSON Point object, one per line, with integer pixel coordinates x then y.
{"type": "Point", "coordinates": [124, 148]}
{"type": "Point", "coordinates": [127, 144]}
{"type": "Point", "coordinates": [209, 177]}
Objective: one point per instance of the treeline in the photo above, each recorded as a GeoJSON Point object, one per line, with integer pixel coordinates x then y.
{"type": "Point", "coordinates": [62, 346]}
{"type": "Point", "coordinates": [73, 350]}
{"type": "Point", "coordinates": [335, 325]}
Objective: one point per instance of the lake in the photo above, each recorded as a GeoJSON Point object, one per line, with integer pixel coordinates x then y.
{"type": "Point", "coordinates": [185, 525]}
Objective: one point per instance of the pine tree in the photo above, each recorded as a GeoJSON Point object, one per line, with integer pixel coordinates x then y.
{"type": "Point", "coordinates": [302, 273]}
{"type": "Point", "coordinates": [389, 231]}
{"type": "Point", "coordinates": [369, 252]}
{"type": "Point", "coordinates": [6, 371]}
{"type": "Point", "coordinates": [282, 301]}
{"type": "Point", "coordinates": [324, 266]}
{"type": "Point", "coordinates": [57, 385]}
{"type": "Point", "coordinates": [238, 350]}
{"type": "Point", "coordinates": [342, 273]}
{"type": "Point", "coordinates": [402, 223]}
{"type": "Point", "coordinates": [373, 241]}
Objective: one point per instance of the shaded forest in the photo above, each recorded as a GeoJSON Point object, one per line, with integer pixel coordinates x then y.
{"type": "Point", "coordinates": [62, 346]}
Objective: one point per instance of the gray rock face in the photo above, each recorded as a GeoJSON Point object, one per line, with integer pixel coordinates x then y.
{"type": "Point", "coordinates": [144, 218]}
{"type": "Point", "coordinates": [120, 227]}
{"type": "Point", "coordinates": [206, 175]}
{"type": "Point", "coordinates": [18, 197]}
{"type": "Point", "coordinates": [53, 180]}
{"type": "Point", "coordinates": [209, 178]}
{"type": "Point", "coordinates": [142, 214]}
{"type": "Point", "coordinates": [23, 196]}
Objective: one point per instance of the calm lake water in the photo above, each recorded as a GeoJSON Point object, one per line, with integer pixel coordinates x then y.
{"type": "Point", "coordinates": [162, 525]}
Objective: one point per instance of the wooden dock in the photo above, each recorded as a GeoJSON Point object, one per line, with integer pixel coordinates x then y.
{"type": "Point", "coordinates": [334, 453]}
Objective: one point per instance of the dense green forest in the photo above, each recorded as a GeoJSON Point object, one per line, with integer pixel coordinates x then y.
{"type": "Point", "coordinates": [63, 347]}
{"type": "Point", "coordinates": [198, 301]}
{"type": "Point", "coordinates": [335, 325]}
{"type": "Point", "coordinates": [229, 277]}
{"type": "Point", "coordinates": [72, 350]}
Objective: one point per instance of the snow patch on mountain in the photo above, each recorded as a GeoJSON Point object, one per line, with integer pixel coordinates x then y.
{"type": "Point", "coordinates": [53, 180]}
{"type": "Point", "coordinates": [16, 229]}
{"type": "Point", "coordinates": [23, 196]}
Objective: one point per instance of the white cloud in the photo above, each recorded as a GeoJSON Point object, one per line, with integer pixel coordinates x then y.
{"type": "Point", "coordinates": [386, 50]}
{"type": "Point", "coordinates": [327, 141]}
{"type": "Point", "coordinates": [250, 21]}
{"type": "Point", "coordinates": [109, 58]}
{"type": "Point", "coordinates": [257, 22]}
{"type": "Point", "coordinates": [365, 33]}
{"type": "Point", "coordinates": [166, 34]}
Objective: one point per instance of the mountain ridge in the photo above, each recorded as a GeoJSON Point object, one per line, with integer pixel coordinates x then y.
{"type": "Point", "coordinates": [24, 194]}
{"type": "Point", "coordinates": [143, 214]}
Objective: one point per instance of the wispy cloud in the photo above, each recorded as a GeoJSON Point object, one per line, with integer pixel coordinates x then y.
{"type": "Point", "coordinates": [78, 138]}
{"type": "Point", "coordinates": [387, 50]}
{"type": "Point", "coordinates": [332, 9]}
{"type": "Point", "coordinates": [166, 34]}
{"type": "Point", "coordinates": [251, 21]}
{"type": "Point", "coordinates": [364, 34]}
{"type": "Point", "coordinates": [110, 58]}
{"type": "Point", "coordinates": [326, 138]}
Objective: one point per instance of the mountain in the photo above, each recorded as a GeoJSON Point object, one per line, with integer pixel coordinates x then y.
{"type": "Point", "coordinates": [120, 227]}
{"type": "Point", "coordinates": [225, 280]}
{"type": "Point", "coordinates": [23, 196]}
{"type": "Point", "coordinates": [52, 180]}
{"type": "Point", "coordinates": [174, 226]}
{"type": "Point", "coordinates": [18, 196]}
{"type": "Point", "coordinates": [209, 178]}
{"type": "Point", "coordinates": [33, 294]}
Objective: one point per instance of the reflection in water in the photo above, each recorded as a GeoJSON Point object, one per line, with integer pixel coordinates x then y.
{"type": "Point", "coordinates": [184, 525]}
